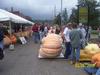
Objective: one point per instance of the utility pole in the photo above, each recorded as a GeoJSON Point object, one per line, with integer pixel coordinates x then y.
{"type": "Point", "coordinates": [61, 10]}
{"type": "Point", "coordinates": [99, 2]}
{"type": "Point", "coordinates": [55, 12]}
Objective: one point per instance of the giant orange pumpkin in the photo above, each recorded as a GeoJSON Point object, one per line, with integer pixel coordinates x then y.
{"type": "Point", "coordinates": [51, 46]}
{"type": "Point", "coordinates": [50, 51]}
{"type": "Point", "coordinates": [52, 38]}
{"type": "Point", "coordinates": [48, 55]}
{"type": "Point", "coordinates": [96, 59]}
{"type": "Point", "coordinates": [13, 39]}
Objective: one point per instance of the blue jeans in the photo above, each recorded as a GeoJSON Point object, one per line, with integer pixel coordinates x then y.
{"type": "Point", "coordinates": [36, 37]}
{"type": "Point", "coordinates": [90, 70]}
{"type": "Point", "coordinates": [98, 72]}
{"type": "Point", "coordinates": [68, 50]}
{"type": "Point", "coordinates": [41, 35]}
{"type": "Point", "coordinates": [1, 45]}
{"type": "Point", "coordinates": [1, 50]}
{"type": "Point", "coordinates": [75, 54]}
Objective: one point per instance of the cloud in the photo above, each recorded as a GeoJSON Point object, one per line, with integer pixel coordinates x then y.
{"type": "Point", "coordinates": [42, 9]}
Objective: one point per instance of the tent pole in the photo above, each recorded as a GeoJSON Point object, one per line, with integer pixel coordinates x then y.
{"type": "Point", "coordinates": [21, 31]}
{"type": "Point", "coordinates": [11, 46]}
{"type": "Point", "coordinates": [21, 27]}
{"type": "Point", "coordinates": [10, 30]}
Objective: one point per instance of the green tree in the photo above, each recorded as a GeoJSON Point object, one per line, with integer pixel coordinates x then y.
{"type": "Point", "coordinates": [65, 16]}
{"type": "Point", "coordinates": [93, 14]}
{"type": "Point", "coordinates": [74, 16]}
{"type": "Point", "coordinates": [57, 19]}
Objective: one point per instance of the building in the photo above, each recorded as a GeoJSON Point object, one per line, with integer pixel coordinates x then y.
{"type": "Point", "coordinates": [20, 14]}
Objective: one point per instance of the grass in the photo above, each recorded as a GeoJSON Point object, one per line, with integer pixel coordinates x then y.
{"type": "Point", "coordinates": [95, 32]}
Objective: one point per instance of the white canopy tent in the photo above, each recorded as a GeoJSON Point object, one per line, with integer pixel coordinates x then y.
{"type": "Point", "coordinates": [4, 17]}
{"type": "Point", "coordinates": [7, 16]}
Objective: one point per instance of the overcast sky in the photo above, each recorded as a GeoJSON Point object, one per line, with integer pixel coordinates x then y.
{"type": "Point", "coordinates": [38, 9]}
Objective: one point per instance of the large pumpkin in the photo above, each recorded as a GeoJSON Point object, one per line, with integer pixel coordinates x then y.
{"type": "Point", "coordinates": [89, 51]}
{"type": "Point", "coordinates": [51, 46]}
{"type": "Point", "coordinates": [96, 57]}
{"type": "Point", "coordinates": [52, 38]}
{"type": "Point", "coordinates": [92, 49]}
{"type": "Point", "coordinates": [7, 40]}
{"type": "Point", "coordinates": [97, 64]}
{"type": "Point", "coordinates": [13, 39]}
{"type": "Point", "coordinates": [48, 55]}
{"type": "Point", "coordinates": [51, 51]}
{"type": "Point", "coordinates": [84, 56]}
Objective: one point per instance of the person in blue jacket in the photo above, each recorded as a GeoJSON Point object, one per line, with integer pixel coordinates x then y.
{"type": "Point", "coordinates": [1, 41]}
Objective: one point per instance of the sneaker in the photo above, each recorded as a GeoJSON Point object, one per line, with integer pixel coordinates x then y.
{"type": "Point", "coordinates": [77, 65]}
{"type": "Point", "coordinates": [72, 62]}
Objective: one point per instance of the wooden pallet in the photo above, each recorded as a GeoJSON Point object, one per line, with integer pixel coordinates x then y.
{"type": "Point", "coordinates": [83, 60]}
{"type": "Point", "coordinates": [61, 56]}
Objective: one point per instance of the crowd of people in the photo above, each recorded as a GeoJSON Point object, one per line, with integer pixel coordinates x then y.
{"type": "Point", "coordinates": [75, 39]}
{"type": "Point", "coordinates": [40, 31]}
{"type": "Point", "coordinates": [74, 36]}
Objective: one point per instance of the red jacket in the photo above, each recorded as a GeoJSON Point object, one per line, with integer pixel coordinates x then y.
{"type": "Point", "coordinates": [35, 28]}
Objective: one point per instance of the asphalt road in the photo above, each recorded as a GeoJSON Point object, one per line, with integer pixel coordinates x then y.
{"type": "Point", "coordinates": [24, 61]}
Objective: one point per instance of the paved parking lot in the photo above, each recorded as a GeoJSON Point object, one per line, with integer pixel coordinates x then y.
{"type": "Point", "coordinates": [24, 61]}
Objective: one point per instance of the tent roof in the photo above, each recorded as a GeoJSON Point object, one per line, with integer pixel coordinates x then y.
{"type": "Point", "coordinates": [5, 16]}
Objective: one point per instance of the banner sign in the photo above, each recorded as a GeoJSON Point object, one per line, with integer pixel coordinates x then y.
{"type": "Point", "coordinates": [83, 15]}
